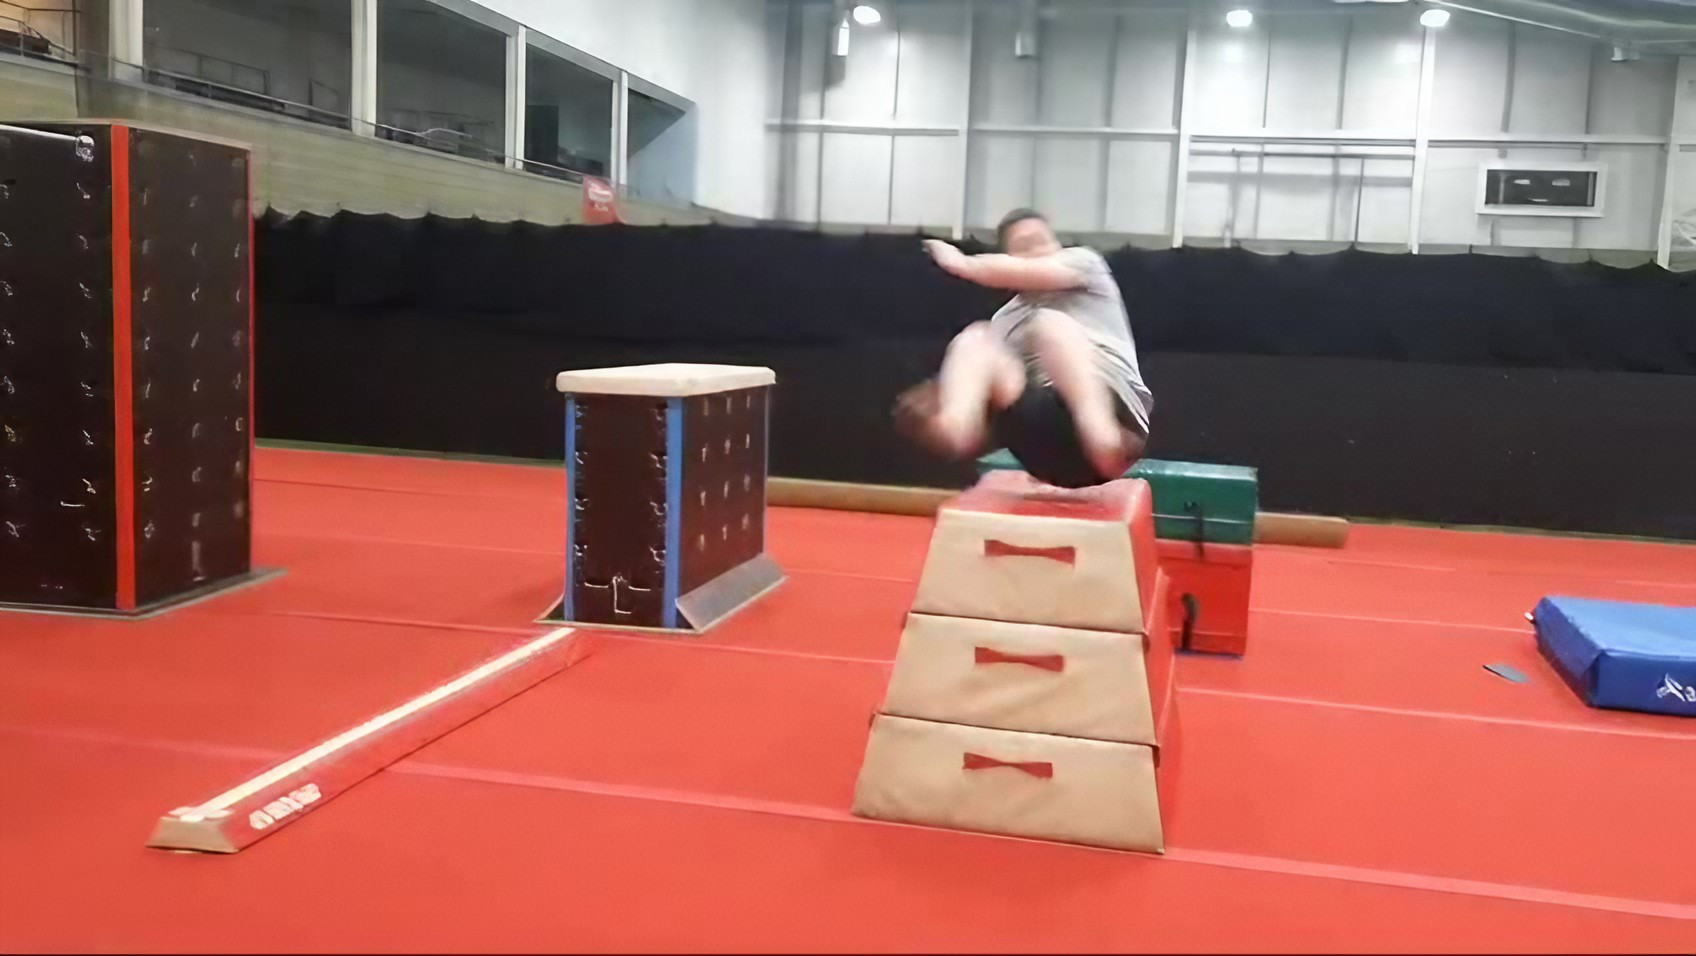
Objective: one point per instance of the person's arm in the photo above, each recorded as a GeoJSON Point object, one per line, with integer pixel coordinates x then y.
{"type": "Point", "coordinates": [1045, 274]}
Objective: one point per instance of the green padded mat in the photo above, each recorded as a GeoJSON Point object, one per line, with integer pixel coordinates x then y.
{"type": "Point", "coordinates": [1192, 501]}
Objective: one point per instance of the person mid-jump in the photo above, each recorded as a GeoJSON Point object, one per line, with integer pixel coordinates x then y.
{"type": "Point", "coordinates": [1053, 376]}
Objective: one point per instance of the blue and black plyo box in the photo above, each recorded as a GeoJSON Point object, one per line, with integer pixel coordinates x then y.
{"type": "Point", "coordinates": [1620, 655]}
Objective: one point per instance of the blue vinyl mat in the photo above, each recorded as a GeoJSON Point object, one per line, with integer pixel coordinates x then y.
{"type": "Point", "coordinates": [1620, 655]}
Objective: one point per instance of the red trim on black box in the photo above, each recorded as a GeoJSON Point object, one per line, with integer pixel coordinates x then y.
{"type": "Point", "coordinates": [123, 371]}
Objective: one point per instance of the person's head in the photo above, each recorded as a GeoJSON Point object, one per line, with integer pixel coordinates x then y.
{"type": "Point", "coordinates": [1024, 232]}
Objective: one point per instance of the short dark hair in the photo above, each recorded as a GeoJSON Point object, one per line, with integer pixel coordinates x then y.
{"type": "Point", "coordinates": [1013, 219]}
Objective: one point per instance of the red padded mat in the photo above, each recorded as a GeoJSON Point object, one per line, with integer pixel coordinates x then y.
{"type": "Point", "coordinates": [1358, 782]}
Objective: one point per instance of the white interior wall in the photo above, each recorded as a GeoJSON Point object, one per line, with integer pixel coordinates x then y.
{"type": "Point", "coordinates": [1356, 70]}
{"type": "Point", "coordinates": [932, 91]}
{"type": "Point", "coordinates": [1000, 170]}
{"type": "Point", "coordinates": [728, 55]}
{"type": "Point", "coordinates": [795, 157]}
{"type": "Point", "coordinates": [1145, 96]}
{"type": "Point", "coordinates": [1684, 198]}
{"type": "Point", "coordinates": [1685, 117]}
{"type": "Point", "coordinates": [1231, 67]}
{"type": "Point", "coordinates": [1681, 183]}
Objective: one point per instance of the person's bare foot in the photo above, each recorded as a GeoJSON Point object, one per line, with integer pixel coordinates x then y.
{"type": "Point", "coordinates": [919, 416]}
{"type": "Point", "coordinates": [961, 435]}
{"type": "Point", "coordinates": [915, 409]}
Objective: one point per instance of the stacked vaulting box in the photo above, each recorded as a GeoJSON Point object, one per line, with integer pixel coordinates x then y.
{"type": "Point", "coordinates": [1032, 693]}
{"type": "Point", "coordinates": [1204, 517]}
{"type": "Point", "coordinates": [665, 495]}
{"type": "Point", "coordinates": [126, 367]}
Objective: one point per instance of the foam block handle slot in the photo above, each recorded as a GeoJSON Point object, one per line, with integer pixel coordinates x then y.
{"type": "Point", "coordinates": [1047, 662]}
{"type": "Point", "coordinates": [1040, 769]}
{"type": "Point", "coordinates": [1001, 549]}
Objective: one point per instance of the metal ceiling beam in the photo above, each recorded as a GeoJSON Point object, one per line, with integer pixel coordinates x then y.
{"type": "Point", "coordinates": [1580, 19]}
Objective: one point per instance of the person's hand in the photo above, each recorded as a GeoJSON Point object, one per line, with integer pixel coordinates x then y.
{"type": "Point", "coordinates": [952, 260]}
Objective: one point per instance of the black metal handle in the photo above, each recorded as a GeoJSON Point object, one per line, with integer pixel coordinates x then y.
{"type": "Point", "coordinates": [1192, 610]}
{"type": "Point", "coordinates": [1200, 511]}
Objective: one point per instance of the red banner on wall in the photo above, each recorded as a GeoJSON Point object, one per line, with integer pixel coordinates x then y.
{"type": "Point", "coordinates": [600, 202]}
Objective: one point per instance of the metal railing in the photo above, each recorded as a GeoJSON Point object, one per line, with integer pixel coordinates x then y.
{"type": "Point", "coordinates": [454, 133]}
{"type": "Point", "coordinates": [227, 74]}
{"type": "Point", "coordinates": [235, 96]}
{"type": "Point", "coordinates": [22, 31]}
{"type": "Point", "coordinates": [323, 96]}
{"type": "Point", "coordinates": [440, 139]}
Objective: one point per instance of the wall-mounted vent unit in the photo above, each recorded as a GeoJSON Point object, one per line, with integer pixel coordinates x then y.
{"type": "Point", "coordinates": [1522, 188]}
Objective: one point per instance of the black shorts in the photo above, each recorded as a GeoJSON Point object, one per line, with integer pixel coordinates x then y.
{"type": "Point", "coordinates": [1039, 431]}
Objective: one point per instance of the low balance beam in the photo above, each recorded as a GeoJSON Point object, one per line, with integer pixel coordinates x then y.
{"type": "Point", "coordinates": [258, 807]}
{"type": "Point", "coordinates": [1313, 531]}
{"type": "Point", "coordinates": [842, 496]}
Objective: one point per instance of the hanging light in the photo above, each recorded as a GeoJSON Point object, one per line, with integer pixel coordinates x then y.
{"type": "Point", "coordinates": [866, 15]}
{"type": "Point", "coordinates": [1434, 18]}
{"type": "Point", "coordinates": [1240, 18]}
{"type": "Point", "coordinates": [1026, 38]}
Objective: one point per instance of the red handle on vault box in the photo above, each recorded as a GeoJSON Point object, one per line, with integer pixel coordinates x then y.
{"type": "Point", "coordinates": [1047, 662]}
{"type": "Point", "coordinates": [1042, 769]}
{"type": "Point", "coordinates": [1001, 549]}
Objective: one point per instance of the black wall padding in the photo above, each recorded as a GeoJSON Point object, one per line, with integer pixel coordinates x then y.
{"type": "Point", "coordinates": [1467, 389]}
{"type": "Point", "coordinates": [713, 284]}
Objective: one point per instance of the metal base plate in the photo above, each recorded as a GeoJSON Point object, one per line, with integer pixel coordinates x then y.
{"type": "Point", "coordinates": [204, 593]}
{"type": "Point", "coordinates": [705, 607]}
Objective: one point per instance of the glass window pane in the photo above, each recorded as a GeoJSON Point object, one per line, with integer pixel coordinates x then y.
{"type": "Point", "coordinates": [568, 118]}
{"type": "Point", "coordinates": [38, 28]}
{"type": "Point", "coordinates": [662, 150]}
{"type": "Point", "coordinates": [441, 80]}
{"type": "Point", "coordinates": [286, 56]}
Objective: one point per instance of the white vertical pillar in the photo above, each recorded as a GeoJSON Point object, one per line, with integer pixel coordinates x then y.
{"type": "Point", "coordinates": [1421, 138]}
{"type": "Point", "coordinates": [129, 36]}
{"type": "Point", "coordinates": [1681, 126]}
{"type": "Point", "coordinates": [362, 91]}
{"type": "Point", "coordinates": [517, 96]}
{"type": "Point", "coordinates": [965, 159]}
{"type": "Point", "coordinates": [621, 130]}
{"type": "Point", "coordinates": [1181, 157]}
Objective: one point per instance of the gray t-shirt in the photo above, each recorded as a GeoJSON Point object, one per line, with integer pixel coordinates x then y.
{"type": "Point", "coordinates": [1098, 307]}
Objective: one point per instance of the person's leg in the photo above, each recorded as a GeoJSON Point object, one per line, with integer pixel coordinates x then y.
{"type": "Point", "coordinates": [1067, 355]}
{"type": "Point", "coordinates": [979, 377]}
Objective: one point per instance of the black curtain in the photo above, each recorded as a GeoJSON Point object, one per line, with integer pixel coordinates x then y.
{"type": "Point", "coordinates": [1461, 388]}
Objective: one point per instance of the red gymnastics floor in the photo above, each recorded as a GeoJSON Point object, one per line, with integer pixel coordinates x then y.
{"type": "Point", "coordinates": [1358, 782]}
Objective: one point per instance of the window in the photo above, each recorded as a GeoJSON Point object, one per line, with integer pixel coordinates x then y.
{"type": "Point", "coordinates": [567, 118]}
{"type": "Point", "coordinates": [662, 150]}
{"type": "Point", "coordinates": [441, 80]}
{"type": "Point", "coordinates": [286, 56]}
{"type": "Point", "coordinates": [45, 29]}
{"type": "Point", "coordinates": [1518, 188]}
